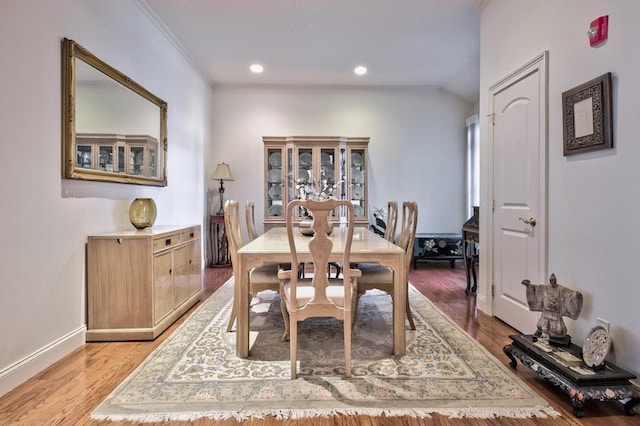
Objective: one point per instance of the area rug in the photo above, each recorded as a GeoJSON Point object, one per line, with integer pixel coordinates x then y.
{"type": "Point", "coordinates": [195, 372]}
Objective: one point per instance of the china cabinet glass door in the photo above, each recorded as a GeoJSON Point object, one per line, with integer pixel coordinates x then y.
{"type": "Point", "coordinates": [84, 157]}
{"type": "Point", "coordinates": [136, 160]}
{"type": "Point", "coordinates": [105, 157]}
{"type": "Point", "coordinates": [357, 190]}
{"type": "Point", "coordinates": [305, 177]}
{"type": "Point", "coordinates": [274, 182]}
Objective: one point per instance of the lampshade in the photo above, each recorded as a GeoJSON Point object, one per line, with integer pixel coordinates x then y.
{"type": "Point", "coordinates": [223, 172]}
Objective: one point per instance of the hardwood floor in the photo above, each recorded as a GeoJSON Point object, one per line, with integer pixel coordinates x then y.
{"type": "Point", "coordinates": [67, 392]}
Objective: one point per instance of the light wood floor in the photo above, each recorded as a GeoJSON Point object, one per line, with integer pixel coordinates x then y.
{"type": "Point", "coordinates": [67, 392]}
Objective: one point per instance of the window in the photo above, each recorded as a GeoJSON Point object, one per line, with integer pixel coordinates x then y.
{"type": "Point", "coordinates": [473, 163]}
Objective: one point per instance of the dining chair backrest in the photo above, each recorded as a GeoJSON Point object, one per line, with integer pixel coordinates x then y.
{"type": "Point", "coordinates": [320, 246]}
{"type": "Point", "coordinates": [392, 221]}
{"type": "Point", "coordinates": [250, 216]}
{"type": "Point", "coordinates": [408, 230]}
{"type": "Point", "coordinates": [232, 230]}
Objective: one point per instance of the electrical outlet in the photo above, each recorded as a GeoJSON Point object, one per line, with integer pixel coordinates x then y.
{"type": "Point", "coordinates": [603, 323]}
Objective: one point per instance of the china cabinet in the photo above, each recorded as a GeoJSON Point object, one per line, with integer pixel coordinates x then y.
{"type": "Point", "coordinates": [128, 154]}
{"type": "Point", "coordinates": [140, 281]}
{"type": "Point", "coordinates": [295, 165]}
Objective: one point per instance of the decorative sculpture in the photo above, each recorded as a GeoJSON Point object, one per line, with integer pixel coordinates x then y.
{"type": "Point", "coordinates": [555, 302]}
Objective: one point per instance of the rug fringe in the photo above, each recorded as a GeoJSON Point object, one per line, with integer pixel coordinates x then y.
{"type": "Point", "coordinates": [291, 414]}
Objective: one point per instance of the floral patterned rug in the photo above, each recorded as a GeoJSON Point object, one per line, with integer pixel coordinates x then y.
{"type": "Point", "coordinates": [195, 372]}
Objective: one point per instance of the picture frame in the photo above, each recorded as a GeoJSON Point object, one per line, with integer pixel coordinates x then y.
{"type": "Point", "coordinates": [587, 116]}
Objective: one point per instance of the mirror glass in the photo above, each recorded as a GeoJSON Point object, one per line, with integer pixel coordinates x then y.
{"type": "Point", "coordinates": [114, 130]}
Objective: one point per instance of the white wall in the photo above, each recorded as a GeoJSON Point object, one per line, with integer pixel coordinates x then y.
{"type": "Point", "coordinates": [416, 151]}
{"type": "Point", "coordinates": [593, 198]}
{"type": "Point", "coordinates": [45, 220]}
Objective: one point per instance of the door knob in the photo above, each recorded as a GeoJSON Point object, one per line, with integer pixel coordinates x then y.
{"type": "Point", "coordinates": [531, 221]}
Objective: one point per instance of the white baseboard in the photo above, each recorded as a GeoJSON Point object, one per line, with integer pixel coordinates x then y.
{"type": "Point", "coordinates": [21, 371]}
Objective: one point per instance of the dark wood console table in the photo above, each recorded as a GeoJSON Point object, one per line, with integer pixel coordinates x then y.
{"type": "Point", "coordinates": [580, 382]}
{"type": "Point", "coordinates": [218, 242]}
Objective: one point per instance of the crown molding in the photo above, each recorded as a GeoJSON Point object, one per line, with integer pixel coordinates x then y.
{"type": "Point", "coordinates": [155, 19]}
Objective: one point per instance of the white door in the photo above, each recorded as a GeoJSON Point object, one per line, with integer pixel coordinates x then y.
{"type": "Point", "coordinates": [518, 107]}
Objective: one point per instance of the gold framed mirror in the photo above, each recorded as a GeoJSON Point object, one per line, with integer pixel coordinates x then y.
{"type": "Point", "coordinates": [113, 129]}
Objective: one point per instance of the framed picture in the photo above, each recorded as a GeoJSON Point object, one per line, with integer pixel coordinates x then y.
{"type": "Point", "coordinates": [587, 116]}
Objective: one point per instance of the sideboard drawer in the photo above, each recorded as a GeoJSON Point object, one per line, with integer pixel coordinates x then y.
{"type": "Point", "coordinates": [190, 234]}
{"type": "Point", "coordinates": [166, 242]}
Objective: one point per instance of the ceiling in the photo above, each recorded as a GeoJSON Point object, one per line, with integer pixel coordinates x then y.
{"type": "Point", "coordinates": [410, 43]}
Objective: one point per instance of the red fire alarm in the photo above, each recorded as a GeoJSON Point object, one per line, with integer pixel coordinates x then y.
{"type": "Point", "coordinates": [598, 30]}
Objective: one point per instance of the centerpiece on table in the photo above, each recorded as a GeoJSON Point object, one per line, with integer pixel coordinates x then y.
{"type": "Point", "coordinates": [307, 190]}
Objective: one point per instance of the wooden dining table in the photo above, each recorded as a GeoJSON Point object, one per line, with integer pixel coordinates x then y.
{"type": "Point", "coordinates": [273, 247]}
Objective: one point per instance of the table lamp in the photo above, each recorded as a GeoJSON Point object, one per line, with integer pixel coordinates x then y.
{"type": "Point", "coordinates": [222, 173]}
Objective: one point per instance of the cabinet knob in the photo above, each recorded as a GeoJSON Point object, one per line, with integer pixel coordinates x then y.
{"type": "Point", "coordinates": [191, 235]}
{"type": "Point", "coordinates": [119, 240]}
{"type": "Point", "coordinates": [167, 242]}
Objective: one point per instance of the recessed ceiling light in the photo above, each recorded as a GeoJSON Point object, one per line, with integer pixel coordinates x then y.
{"type": "Point", "coordinates": [360, 70]}
{"type": "Point", "coordinates": [256, 68]}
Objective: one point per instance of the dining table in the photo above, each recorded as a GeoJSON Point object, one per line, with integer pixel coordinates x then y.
{"type": "Point", "coordinates": [273, 247]}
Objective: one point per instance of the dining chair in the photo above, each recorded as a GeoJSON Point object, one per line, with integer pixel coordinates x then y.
{"type": "Point", "coordinates": [250, 217]}
{"type": "Point", "coordinates": [392, 221]}
{"type": "Point", "coordinates": [260, 278]}
{"type": "Point", "coordinates": [320, 296]}
{"type": "Point", "coordinates": [376, 276]}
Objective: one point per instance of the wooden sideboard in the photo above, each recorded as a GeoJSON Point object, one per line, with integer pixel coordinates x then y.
{"type": "Point", "coordinates": [140, 281]}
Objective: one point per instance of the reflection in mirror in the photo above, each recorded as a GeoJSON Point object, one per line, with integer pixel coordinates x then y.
{"type": "Point", "coordinates": [113, 129]}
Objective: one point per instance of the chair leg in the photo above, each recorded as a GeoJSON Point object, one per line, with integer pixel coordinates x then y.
{"type": "Point", "coordinates": [338, 269]}
{"type": "Point", "coordinates": [354, 309]}
{"type": "Point", "coordinates": [409, 315]}
{"type": "Point", "coordinates": [347, 345]}
{"type": "Point", "coordinates": [285, 317]}
{"type": "Point", "coordinates": [232, 317]}
{"type": "Point", "coordinates": [293, 347]}
{"type": "Point", "coordinates": [356, 303]}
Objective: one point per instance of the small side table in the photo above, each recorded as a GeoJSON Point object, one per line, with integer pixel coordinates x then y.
{"type": "Point", "coordinates": [608, 383]}
{"type": "Point", "coordinates": [218, 242]}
